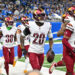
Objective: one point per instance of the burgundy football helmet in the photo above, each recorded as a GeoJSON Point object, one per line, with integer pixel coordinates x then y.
{"type": "Point", "coordinates": [39, 15]}
{"type": "Point", "coordinates": [9, 21]}
{"type": "Point", "coordinates": [6, 20]}
{"type": "Point", "coordinates": [24, 20]}
{"type": "Point", "coordinates": [71, 11]}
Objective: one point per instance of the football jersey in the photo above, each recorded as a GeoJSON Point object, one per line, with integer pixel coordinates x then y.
{"type": "Point", "coordinates": [38, 36]}
{"type": "Point", "coordinates": [71, 26]}
{"type": "Point", "coordinates": [8, 35]}
{"type": "Point", "coordinates": [26, 39]}
{"type": "Point", "coordinates": [69, 18]}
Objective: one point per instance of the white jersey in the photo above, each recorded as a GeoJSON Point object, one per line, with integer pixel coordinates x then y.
{"type": "Point", "coordinates": [69, 18]}
{"type": "Point", "coordinates": [71, 26]}
{"type": "Point", "coordinates": [8, 35]}
{"type": "Point", "coordinates": [26, 39]}
{"type": "Point", "coordinates": [38, 36]}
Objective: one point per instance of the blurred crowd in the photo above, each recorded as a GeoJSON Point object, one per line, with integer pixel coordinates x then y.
{"type": "Point", "coordinates": [18, 8]}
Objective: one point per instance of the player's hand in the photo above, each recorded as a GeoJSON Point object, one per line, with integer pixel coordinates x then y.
{"type": "Point", "coordinates": [24, 51]}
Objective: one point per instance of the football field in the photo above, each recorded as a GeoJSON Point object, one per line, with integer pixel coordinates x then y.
{"type": "Point", "coordinates": [19, 68]}
{"type": "Point", "coordinates": [47, 65]}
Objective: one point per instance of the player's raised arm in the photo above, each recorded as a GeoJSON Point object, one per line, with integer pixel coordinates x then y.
{"type": "Point", "coordinates": [63, 26]}
{"type": "Point", "coordinates": [61, 31]}
{"type": "Point", "coordinates": [67, 36]}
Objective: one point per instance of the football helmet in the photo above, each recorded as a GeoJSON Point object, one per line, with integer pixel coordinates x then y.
{"type": "Point", "coordinates": [24, 20]}
{"type": "Point", "coordinates": [6, 20]}
{"type": "Point", "coordinates": [39, 15]}
{"type": "Point", "coordinates": [71, 11]}
{"type": "Point", "coordinates": [9, 22]}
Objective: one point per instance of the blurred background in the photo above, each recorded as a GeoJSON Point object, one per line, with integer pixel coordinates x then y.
{"type": "Point", "coordinates": [16, 8]}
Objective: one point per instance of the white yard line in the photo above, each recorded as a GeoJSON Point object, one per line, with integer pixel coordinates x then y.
{"type": "Point", "coordinates": [55, 43]}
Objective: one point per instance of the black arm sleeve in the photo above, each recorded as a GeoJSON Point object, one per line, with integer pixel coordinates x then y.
{"type": "Point", "coordinates": [26, 31]}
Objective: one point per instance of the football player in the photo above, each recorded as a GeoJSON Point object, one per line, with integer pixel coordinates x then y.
{"type": "Point", "coordinates": [69, 44]}
{"type": "Point", "coordinates": [23, 41]}
{"type": "Point", "coordinates": [66, 18]}
{"type": "Point", "coordinates": [38, 30]}
{"type": "Point", "coordinates": [59, 33]}
{"type": "Point", "coordinates": [69, 47]}
{"type": "Point", "coordinates": [8, 31]}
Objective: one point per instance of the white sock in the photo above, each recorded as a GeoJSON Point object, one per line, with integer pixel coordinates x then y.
{"type": "Point", "coordinates": [26, 62]}
{"type": "Point", "coordinates": [2, 61]}
{"type": "Point", "coordinates": [3, 71]}
{"type": "Point", "coordinates": [2, 65]}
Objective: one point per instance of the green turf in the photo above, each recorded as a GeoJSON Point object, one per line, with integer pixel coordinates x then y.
{"type": "Point", "coordinates": [54, 41]}
{"type": "Point", "coordinates": [57, 58]}
{"type": "Point", "coordinates": [22, 59]}
{"type": "Point", "coordinates": [46, 64]}
{"type": "Point", "coordinates": [57, 40]}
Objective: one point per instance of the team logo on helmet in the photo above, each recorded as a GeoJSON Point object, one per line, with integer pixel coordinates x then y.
{"type": "Point", "coordinates": [9, 21]}
{"type": "Point", "coordinates": [39, 15]}
{"type": "Point", "coordinates": [24, 20]}
{"type": "Point", "coordinates": [71, 11]}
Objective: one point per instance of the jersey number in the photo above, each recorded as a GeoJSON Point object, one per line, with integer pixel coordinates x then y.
{"type": "Point", "coordinates": [40, 37]}
{"type": "Point", "coordinates": [9, 38]}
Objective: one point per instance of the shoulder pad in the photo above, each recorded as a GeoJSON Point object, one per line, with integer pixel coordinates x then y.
{"type": "Point", "coordinates": [70, 27]}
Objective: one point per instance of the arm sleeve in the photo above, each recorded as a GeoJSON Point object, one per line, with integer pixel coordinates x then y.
{"type": "Point", "coordinates": [70, 27]}
{"type": "Point", "coordinates": [26, 31]}
{"type": "Point", "coordinates": [65, 40]}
